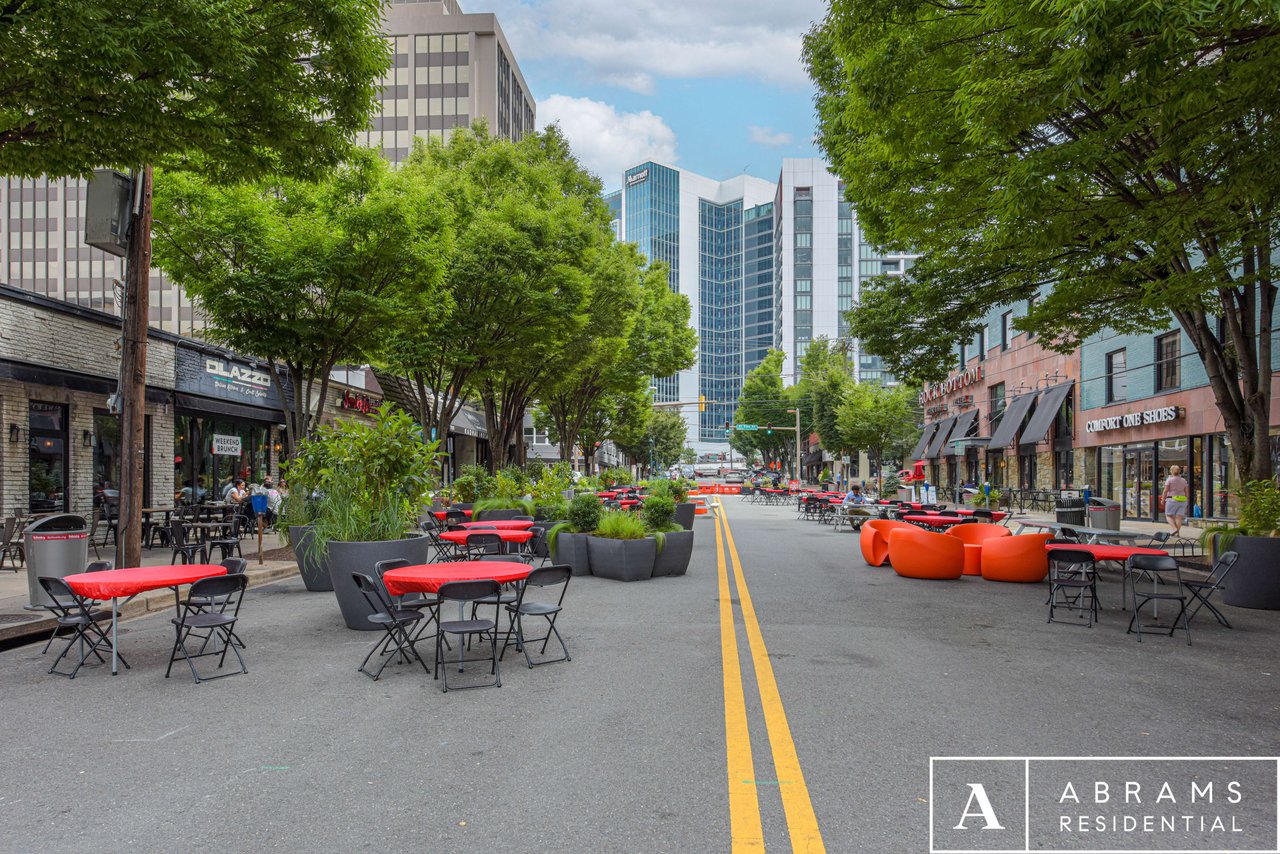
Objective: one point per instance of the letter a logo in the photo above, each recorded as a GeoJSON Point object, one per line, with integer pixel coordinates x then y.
{"type": "Point", "coordinates": [985, 811]}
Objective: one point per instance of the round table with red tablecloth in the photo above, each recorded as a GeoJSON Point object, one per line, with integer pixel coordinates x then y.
{"type": "Point", "coordinates": [441, 514]}
{"type": "Point", "coordinates": [430, 577]}
{"type": "Point", "coordinates": [501, 524]}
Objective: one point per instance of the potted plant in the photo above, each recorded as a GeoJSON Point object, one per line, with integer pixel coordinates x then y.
{"type": "Point", "coordinates": [298, 514]}
{"type": "Point", "coordinates": [620, 549]}
{"type": "Point", "coordinates": [674, 543]}
{"type": "Point", "coordinates": [1254, 581]}
{"type": "Point", "coordinates": [678, 491]}
{"type": "Point", "coordinates": [377, 476]}
{"type": "Point", "coordinates": [568, 540]}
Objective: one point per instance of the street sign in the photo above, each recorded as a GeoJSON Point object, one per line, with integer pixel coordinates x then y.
{"type": "Point", "coordinates": [746, 427]}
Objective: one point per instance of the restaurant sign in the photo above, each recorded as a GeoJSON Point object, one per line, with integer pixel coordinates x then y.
{"type": "Point", "coordinates": [1134, 419]}
{"type": "Point", "coordinates": [226, 378]}
{"type": "Point", "coordinates": [226, 446]}
{"type": "Point", "coordinates": [964, 379]}
{"type": "Point", "coordinates": [358, 402]}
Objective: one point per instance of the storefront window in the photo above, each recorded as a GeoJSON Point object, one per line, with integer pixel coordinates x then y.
{"type": "Point", "coordinates": [210, 453]}
{"type": "Point", "coordinates": [1064, 469]}
{"type": "Point", "coordinates": [1027, 471]}
{"type": "Point", "coordinates": [47, 457]}
{"type": "Point", "coordinates": [106, 458]}
{"type": "Point", "coordinates": [1224, 485]}
{"type": "Point", "coordinates": [1110, 471]}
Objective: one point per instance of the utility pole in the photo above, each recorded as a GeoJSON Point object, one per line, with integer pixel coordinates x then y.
{"type": "Point", "coordinates": [795, 466]}
{"type": "Point", "coordinates": [133, 375]}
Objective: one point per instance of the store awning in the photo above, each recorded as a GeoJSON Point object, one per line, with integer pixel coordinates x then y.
{"type": "Point", "coordinates": [940, 437]}
{"type": "Point", "coordinates": [468, 423]}
{"type": "Point", "coordinates": [964, 421]}
{"type": "Point", "coordinates": [925, 436]}
{"type": "Point", "coordinates": [1011, 421]}
{"type": "Point", "coordinates": [1046, 410]}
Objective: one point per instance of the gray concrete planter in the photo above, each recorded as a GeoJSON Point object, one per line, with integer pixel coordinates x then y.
{"type": "Point", "coordinates": [1254, 582]}
{"type": "Point", "coordinates": [571, 549]}
{"type": "Point", "coordinates": [685, 514]}
{"type": "Point", "coordinates": [495, 515]}
{"type": "Point", "coordinates": [312, 565]}
{"type": "Point", "coordinates": [622, 560]}
{"type": "Point", "coordinates": [346, 558]}
{"type": "Point", "coordinates": [674, 557]}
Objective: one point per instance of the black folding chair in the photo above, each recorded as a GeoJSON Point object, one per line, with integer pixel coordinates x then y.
{"type": "Point", "coordinates": [419, 601]}
{"type": "Point", "coordinates": [182, 548]}
{"type": "Point", "coordinates": [73, 612]}
{"type": "Point", "coordinates": [196, 618]}
{"type": "Point", "coordinates": [539, 579]}
{"type": "Point", "coordinates": [395, 622]}
{"type": "Point", "coordinates": [1073, 576]}
{"type": "Point", "coordinates": [485, 545]}
{"type": "Point", "coordinates": [231, 542]}
{"type": "Point", "coordinates": [536, 548]}
{"type": "Point", "coordinates": [1201, 590]}
{"type": "Point", "coordinates": [1155, 566]}
{"type": "Point", "coordinates": [475, 592]}
{"type": "Point", "coordinates": [454, 517]}
{"type": "Point", "coordinates": [11, 546]}
{"type": "Point", "coordinates": [92, 566]}
{"type": "Point", "coordinates": [233, 566]}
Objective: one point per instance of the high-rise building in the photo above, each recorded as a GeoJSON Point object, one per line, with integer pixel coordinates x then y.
{"type": "Point", "coordinates": [717, 239]}
{"type": "Point", "coordinates": [449, 69]}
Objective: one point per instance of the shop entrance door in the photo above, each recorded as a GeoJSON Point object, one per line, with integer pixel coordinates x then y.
{"type": "Point", "coordinates": [1139, 487]}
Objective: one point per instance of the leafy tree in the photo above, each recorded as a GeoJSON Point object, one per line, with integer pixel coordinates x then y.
{"type": "Point", "coordinates": [765, 401]}
{"type": "Point", "coordinates": [880, 421]}
{"type": "Point", "coordinates": [660, 439]}
{"type": "Point", "coordinates": [826, 374]}
{"type": "Point", "coordinates": [252, 87]}
{"type": "Point", "coordinates": [305, 275]}
{"type": "Point", "coordinates": [1123, 153]}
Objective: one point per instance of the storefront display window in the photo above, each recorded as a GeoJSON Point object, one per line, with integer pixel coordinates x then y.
{"type": "Point", "coordinates": [210, 453]}
{"type": "Point", "coordinates": [106, 459]}
{"type": "Point", "coordinates": [47, 457]}
{"type": "Point", "coordinates": [1224, 497]}
{"type": "Point", "coordinates": [1027, 471]}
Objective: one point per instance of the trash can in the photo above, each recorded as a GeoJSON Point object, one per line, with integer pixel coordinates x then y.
{"type": "Point", "coordinates": [1070, 511]}
{"type": "Point", "coordinates": [56, 546]}
{"type": "Point", "coordinates": [1104, 513]}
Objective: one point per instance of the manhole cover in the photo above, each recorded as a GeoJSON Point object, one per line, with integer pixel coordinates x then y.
{"type": "Point", "coordinates": [16, 618]}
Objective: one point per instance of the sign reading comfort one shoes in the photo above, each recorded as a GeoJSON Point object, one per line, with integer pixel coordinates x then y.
{"type": "Point", "coordinates": [1134, 419]}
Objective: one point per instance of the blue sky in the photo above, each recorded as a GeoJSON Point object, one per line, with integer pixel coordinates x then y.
{"type": "Point", "coordinates": [714, 86]}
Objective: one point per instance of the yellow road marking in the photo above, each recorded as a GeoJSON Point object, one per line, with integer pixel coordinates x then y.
{"type": "Point", "coordinates": [744, 804]}
{"type": "Point", "coordinates": [802, 823]}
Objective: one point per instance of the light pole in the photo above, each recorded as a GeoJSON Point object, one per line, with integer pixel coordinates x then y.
{"type": "Point", "coordinates": [796, 465]}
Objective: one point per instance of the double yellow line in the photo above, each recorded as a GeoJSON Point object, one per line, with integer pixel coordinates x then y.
{"type": "Point", "coordinates": [744, 801]}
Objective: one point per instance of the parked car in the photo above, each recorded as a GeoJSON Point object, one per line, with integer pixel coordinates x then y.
{"type": "Point", "coordinates": [706, 470]}
{"type": "Point", "coordinates": [734, 476]}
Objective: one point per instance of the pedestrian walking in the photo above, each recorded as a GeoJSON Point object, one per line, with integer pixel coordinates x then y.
{"type": "Point", "coordinates": [1175, 497]}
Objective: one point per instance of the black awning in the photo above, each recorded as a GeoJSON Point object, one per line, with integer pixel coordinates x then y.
{"type": "Point", "coordinates": [963, 422]}
{"type": "Point", "coordinates": [925, 436]}
{"type": "Point", "coordinates": [1046, 410]}
{"type": "Point", "coordinates": [939, 438]}
{"type": "Point", "coordinates": [214, 406]}
{"type": "Point", "coordinates": [1011, 421]}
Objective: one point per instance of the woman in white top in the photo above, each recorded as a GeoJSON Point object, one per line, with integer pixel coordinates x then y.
{"type": "Point", "coordinates": [1176, 497]}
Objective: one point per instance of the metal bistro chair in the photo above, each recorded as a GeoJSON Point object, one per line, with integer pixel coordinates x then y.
{"type": "Point", "coordinates": [181, 548]}
{"type": "Point", "coordinates": [1201, 590]}
{"type": "Point", "coordinates": [395, 622]}
{"type": "Point", "coordinates": [233, 566]}
{"type": "Point", "coordinates": [231, 542]}
{"type": "Point", "coordinates": [75, 613]}
{"type": "Point", "coordinates": [1155, 566]}
{"type": "Point", "coordinates": [477, 593]}
{"type": "Point", "coordinates": [540, 579]}
{"type": "Point", "coordinates": [1073, 576]}
{"type": "Point", "coordinates": [92, 566]}
{"type": "Point", "coordinates": [195, 617]}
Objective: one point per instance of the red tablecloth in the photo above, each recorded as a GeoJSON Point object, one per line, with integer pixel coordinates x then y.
{"type": "Point", "coordinates": [507, 535]}
{"type": "Point", "coordinates": [128, 582]}
{"type": "Point", "coordinates": [606, 495]}
{"type": "Point", "coordinates": [996, 515]}
{"type": "Point", "coordinates": [501, 524]}
{"type": "Point", "coordinates": [933, 519]}
{"type": "Point", "coordinates": [440, 514]}
{"type": "Point", "coordinates": [628, 502]}
{"type": "Point", "coordinates": [1105, 551]}
{"type": "Point", "coordinates": [429, 577]}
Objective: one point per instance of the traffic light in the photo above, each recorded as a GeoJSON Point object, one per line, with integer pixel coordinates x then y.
{"type": "Point", "coordinates": [702, 403]}
{"type": "Point", "coordinates": [769, 429]}
{"type": "Point", "coordinates": [726, 425]}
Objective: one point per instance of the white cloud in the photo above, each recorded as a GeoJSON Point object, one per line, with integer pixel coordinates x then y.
{"type": "Point", "coordinates": [631, 43]}
{"type": "Point", "coordinates": [608, 141]}
{"type": "Point", "coordinates": [769, 136]}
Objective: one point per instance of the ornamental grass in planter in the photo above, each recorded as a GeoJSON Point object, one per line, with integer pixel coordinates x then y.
{"type": "Point", "coordinates": [620, 548]}
{"type": "Point", "coordinates": [1254, 581]}
{"type": "Point", "coordinates": [568, 540]}
{"type": "Point", "coordinates": [374, 478]}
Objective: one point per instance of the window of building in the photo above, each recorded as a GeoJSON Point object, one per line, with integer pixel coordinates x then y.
{"type": "Point", "coordinates": [964, 353]}
{"type": "Point", "coordinates": [982, 344]}
{"type": "Point", "coordinates": [1006, 329]}
{"type": "Point", "coordinates": [47, 457]}
{"type": "Point", "coordinates": [804, 301]}
{"type": "Point", "coordinates": [804, 286]}
{"type": "Point", "coordinates": [1117, 379]}
{"type": "Point", "coordinates": [1031, 304]}
{"type": "Point", "coordinates": [1168, 361]}
{"type": "Point", "coordinates": [997, 402]}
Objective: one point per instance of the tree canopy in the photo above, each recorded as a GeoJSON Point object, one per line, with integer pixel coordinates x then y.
{"type": "Point", "coordinates": [765, 401]}
{"type": "Point", "coordinates": [253, 87]}
{"type": "Point", "coordinates": [1118, 157]}
{"type": "Point", "coordinates": [880, 421]}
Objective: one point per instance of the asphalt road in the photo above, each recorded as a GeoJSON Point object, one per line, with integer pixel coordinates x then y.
{"type": "Point", "coordinates": [624, 749]}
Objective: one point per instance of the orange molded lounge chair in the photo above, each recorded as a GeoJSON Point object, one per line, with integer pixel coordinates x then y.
{"type": "Point", "coordinates": [972, 535]}
{"type": "Point", "coordinates": [1021, 559]}
{"type": "Point", "coordinates": [923, 554]}
{"type": "Point", "coordinates": [874, 539]}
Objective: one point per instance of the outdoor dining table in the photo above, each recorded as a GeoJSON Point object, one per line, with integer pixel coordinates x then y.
{"type": "Point", "coordinates": [933, 520]}
{"type": "Point", "coordinates": [508, 535]}
{"type": "Point", "coordinates": [1094, 534]}
{"type": "Point", "coordinates": [996, 515]}
{"type": "Point", "coordinates": [430, 577]}
{"type": "Point", "coordinates": [129, 582]}
{"type": "Point", "coordinates": [441, 514]}
{"type": "Point", "coordinates": [501, 524]}
{"type": "Point", "coordinates": [1118, 554]}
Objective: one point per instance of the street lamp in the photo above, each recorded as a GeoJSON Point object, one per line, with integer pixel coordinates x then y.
{"type": "Point", "coordinates": [796, 466]}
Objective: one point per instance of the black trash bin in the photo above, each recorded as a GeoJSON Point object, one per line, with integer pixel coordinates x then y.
{"type": "Point", "coordinates": [1070, 511]}
{"type": "Point", "coordinates": [56, 546]}
{"type": "Point", "coordinates": [1104, 513]}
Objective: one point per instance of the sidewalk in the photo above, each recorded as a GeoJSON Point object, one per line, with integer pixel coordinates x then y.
{"type": "Point", "coordinates": [17, 622]}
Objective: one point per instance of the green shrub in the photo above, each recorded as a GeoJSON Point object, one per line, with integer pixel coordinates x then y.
{"type": "Point", "coordinates": [658, 512]}
{"type": "Point", "coordinates": [524, 505]}
{"type": "Point", "coordinates": [620, 525]}
{"type": "Point", "coordinates": [584, 513]}
{"type": "Point", "coordinates": [486, 484]}
{"type": "Point", "coordinates": [552, 510]}
{"type": "Point", "coordinates": [1259, 516]}
{"type": "Point", "coordinates": [463, 489]}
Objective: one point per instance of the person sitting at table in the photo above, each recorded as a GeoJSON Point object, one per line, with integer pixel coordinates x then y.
{"type": "Point", "coordinates": [238, 497]}
{"type": "Point", "coordinates": [852, 507]}
{"type": "Point", "coordinates": [854, 496]}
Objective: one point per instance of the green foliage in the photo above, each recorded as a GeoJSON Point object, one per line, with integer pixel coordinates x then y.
{"type": "Point", "coordinates": [558, 509]}
{"type": "Point", "coordinates": [765, 401]}
{"type": "Point", "coordinates": [463, 489]}
{"type": "Point", "coordinates": [551, 483]}
{"type": "Point", "coordinates": [658, 512]}
{"type": "Point", "coordinates": [1084, 146]}
{"type": "Point", "coordinates": [485, 484]}
{"type": "Point", "coordinates": [584, 513]}
{"type": "Point", "coordinates": [616, 477]}
{"type": "Point", "coordinates": [620, 525]}
{"type": "Point", "coordinates": [373, 479]}
{"type": "Point", "coordinates": [254, 88]}
{"type": "Point", "coordinates": [990, 500]}
{"type": "Point", "coordinates": [878, 420]}
{"type": "Point", "coordinates": [524, 505]}
{"type": "Point", "coordinates": [1259, 516]}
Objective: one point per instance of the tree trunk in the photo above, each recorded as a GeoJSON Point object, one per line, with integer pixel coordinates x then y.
{"type": "Point", "coordinates": [134, 380]}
